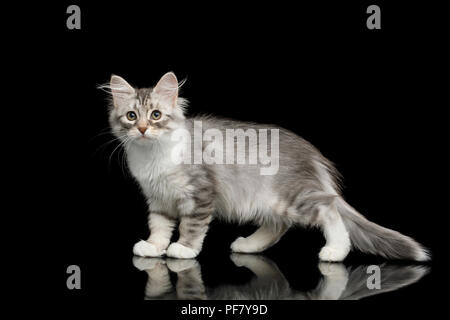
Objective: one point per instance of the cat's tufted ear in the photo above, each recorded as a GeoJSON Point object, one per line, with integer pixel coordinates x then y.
{"type": "Point", "coordinates": [167, 88]}
{"type": "Point", "coordinates": [121, 90]}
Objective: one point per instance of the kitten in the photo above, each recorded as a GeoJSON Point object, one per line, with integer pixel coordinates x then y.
{"type": "Point", "coordinates": [338, 282]}
{"type": "Point", "coordinates": [303, 191]}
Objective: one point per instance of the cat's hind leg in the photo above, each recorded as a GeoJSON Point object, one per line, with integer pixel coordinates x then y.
{"type": "Point", "coordinates": [319, 209]}
{"type": "Point", "coordinates": [264, 237]}
{"type": "Point", "coordinates": [336, 235]}
{"type": "Point", "coordinates": [261, 266]}
{"type": "Point", "coordinates": [334, 282]}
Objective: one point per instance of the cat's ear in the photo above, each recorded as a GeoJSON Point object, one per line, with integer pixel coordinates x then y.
{"type": "Point", "coordinates": [120, 90]}
{"type": "Point", "coordinates": [167, 88]}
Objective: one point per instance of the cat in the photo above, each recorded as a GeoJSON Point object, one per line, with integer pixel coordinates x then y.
{"type": "Point", "coordinates": [303, 191]}
{"type": "Point", "coordinates": [337, 282]}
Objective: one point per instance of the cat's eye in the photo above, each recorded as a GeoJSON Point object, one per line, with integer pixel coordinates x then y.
{"type": "Point", "coordinates": [131, 116]}
{"type": "Point", "coordinates": [156, 115]}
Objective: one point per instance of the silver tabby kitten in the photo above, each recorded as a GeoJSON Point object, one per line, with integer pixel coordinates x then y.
{"type": "Point", "coordinates": [303, 191]}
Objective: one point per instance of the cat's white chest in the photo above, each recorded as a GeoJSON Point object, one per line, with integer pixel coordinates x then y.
{"type": "Point", "coordinates": [156, 173]}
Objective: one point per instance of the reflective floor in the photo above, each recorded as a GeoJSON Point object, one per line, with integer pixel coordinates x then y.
{"type": "Point", "coordinates": [182, 279]}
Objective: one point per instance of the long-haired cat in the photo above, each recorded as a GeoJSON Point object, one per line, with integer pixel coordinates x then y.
{"type": "Point", "coordinates": [304, 190]}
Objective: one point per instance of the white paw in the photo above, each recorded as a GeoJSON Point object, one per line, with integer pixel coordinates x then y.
{"type": "Point", "coordinates": [238, 259]}
{"type": "Point", "coordinates": [146, 249]}
{"type": "Point", "coordinates": [246, 260]}
{"type": "Point", "coordinates": [143, 263]}
{"type": "Point", "coordinates": [336, 270]}
{"type": "Point", "coordinates": [243, 245]}
{"type": "Point", "coordinates": [177, 265]}
{"type": "Point", "coordinates": [179, 251]}
{"type": "Point", "coordinates": [329, 253]}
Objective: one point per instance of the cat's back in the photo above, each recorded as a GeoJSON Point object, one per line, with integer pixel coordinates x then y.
{"type": "Point", "coordinates": [296, 156]}
{"type": "Point", "coordinates": [288, 140]}
{"type": "Point", "coordinates": [243, 191]}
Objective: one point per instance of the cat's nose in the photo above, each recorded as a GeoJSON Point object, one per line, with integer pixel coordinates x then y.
{"type": "Point", "coordinates": [142, 129]}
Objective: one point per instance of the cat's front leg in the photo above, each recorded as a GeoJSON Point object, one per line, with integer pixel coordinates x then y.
{"type": "Point", "coordinates": [189, 281]}
{"type": "Point", "coordinates": [193, 228]}
{"type": "Point", "coordinates": [161, 228]}
{"type": "Point", "coordinates": [158, 283]}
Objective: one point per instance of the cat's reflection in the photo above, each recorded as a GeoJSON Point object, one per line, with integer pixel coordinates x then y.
{"type": "Point", "coordinates": [338, 281]}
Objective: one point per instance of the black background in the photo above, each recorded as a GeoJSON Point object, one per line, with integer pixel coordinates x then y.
{"type": "Point", "coordinates": [368, 99]}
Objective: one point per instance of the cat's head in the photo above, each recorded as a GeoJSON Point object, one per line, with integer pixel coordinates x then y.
{"type": "Point", "coordinates": [143, 115]}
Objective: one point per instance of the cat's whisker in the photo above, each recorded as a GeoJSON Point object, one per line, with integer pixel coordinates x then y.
{"type": "Point", "coordinates": [107, 143]}
{"type": "Point", "coordinates": [123, 161]}
{"type": "Point", "coordinates": [102, 132]}
{"type": "Point", "coordinates": [110, 141]}
{"type": "Point", "coordinates": [121, 144]}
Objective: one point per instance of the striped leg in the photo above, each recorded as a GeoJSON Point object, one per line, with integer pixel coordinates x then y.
{"type": "Point", "coordinates": [189, 281]}
{"type": "Point", "coordinates": [193, 228]}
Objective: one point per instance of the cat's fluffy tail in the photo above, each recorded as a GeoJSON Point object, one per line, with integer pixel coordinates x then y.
{"type": "Point", "coordinates": [372, 238]}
